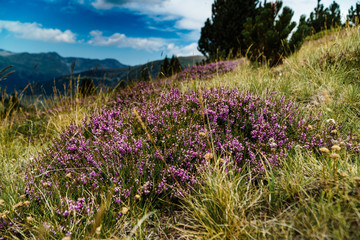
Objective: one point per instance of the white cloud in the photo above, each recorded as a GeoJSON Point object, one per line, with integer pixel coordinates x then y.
{"type": "Point", "coordinates": [189, 14]}
{"type": "Point", "coordinates": [148, 44]}
{"type": "Point", "coordinates": [107, 4]}
{"type": "Point", "coordinates": [35, 31]}
{"type": "Point", "coordinates": [122, 41]}
{"type": "Point", "coordinates": [101, 4]}
{"type": "Point", "coordinates": [188, 50]}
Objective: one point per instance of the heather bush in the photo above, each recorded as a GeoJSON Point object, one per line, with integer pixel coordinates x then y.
{"type": "Point", "coordinates": [114, 155]}
{"type": "Point", "coordinates": [209, 70]}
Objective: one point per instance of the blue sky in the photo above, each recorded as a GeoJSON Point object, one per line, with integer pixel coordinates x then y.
{"type": "Point", "coordinates": [131, 31]}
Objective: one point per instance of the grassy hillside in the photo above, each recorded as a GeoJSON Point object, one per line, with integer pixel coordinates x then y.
{"type": "Point", "coordinates": [253, 153]}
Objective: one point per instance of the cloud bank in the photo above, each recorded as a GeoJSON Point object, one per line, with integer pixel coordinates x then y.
{"type": "Point", "coordinates": [122, 41]}
{"type": "Point", "coordinates": [35, 31]}
{"type": "Point", "coordinates": [148, 44]}
{"type": "Point", "coordinates": [188, 14]}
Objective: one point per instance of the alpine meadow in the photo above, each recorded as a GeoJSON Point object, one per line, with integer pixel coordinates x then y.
{"type": "Point", "coordinates": [258, 139]}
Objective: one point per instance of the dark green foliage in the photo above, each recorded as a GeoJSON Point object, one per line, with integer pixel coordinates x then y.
{"type": "Point", "coordinates": [324, 18]}
{"type": "Point", "coordinates": [170, 68]}
{"type": "Point", "coordinates": [87, 87]}
{"type": "Point", "coordinates": [297, 38]}
{"type": "Point", "coordinates": [122, 84]}
{"type": "Point", "coordinates": [164, 70]}
{"type": "Point", "coordinates": [317, 18]}
{"type": "Point", "coordinates": [353, 16]}
{"type": "Point", "coordinates": [320, 19]}
{"type": "Point", "coordinates": [175, 66]}
{"type": "Point", "coordinates": [333, 19]}
{"type": "Point", "coordinates": [221, 36]}
{"type": "Point", "coordinates": [267, 33]}
{"type": "Point", "coordinates": [144, 75]}
{"type": "Point", "coordinates": [206, 43]}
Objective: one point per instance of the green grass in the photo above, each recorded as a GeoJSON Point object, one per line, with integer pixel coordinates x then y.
{"type": "Point", "coordinates": [309, 197]}
{"type": "Point", "coordinates": [304, 199]}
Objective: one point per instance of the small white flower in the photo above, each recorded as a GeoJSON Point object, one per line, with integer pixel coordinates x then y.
{"type": "Point", "coordinates": [324, 150]}
{"type": "Point", "coordinates": [29, 219]}
{"type": "Point", "coordinates": [273, 145]}
{"type": "Point", "coordinates": [222, 160]}
{"type": "Point", "coordinates": [98, 230]}
{"type": "Point", "coordinates": [343, 174]}
{"type": "Point", "coordinates": [208, 156]}
{"type": "Point", "coordinates": [330, 121]}
{"type": "Point", "coordinates": [18, 205]}
{"type": "Point", "coordinates": [202, 134]}
{"type": "Point", "coordinates": [336, 148]}
{"type": "Point", "coordinates": [124, 210]}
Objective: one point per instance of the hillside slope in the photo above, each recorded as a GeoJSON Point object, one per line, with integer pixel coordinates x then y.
{"type": "Point", "coordinates": [111, 77]}
{"type": "Point", "coordinates": [222, 152]}
{"type": "Point", "coordinates": [42, 67]}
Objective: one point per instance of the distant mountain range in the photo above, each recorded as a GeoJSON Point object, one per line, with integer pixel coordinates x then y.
{"type": "Point", "coordinates": [42, 70]}
{"type": "Point", "coordinates": [111, 77]}
{"type": "Point", "coordinates": [40, 67]}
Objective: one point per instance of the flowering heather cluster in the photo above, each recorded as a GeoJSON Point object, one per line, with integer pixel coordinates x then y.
{"type": "Point", "coordinates": [111, 154]}
{"type": "Point", "coordinates": [209, 70]}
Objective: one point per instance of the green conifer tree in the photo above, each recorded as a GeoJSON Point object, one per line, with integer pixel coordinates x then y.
{"type": "Point", "coordinates": [297, 38]}
{"type": "Point", "coordinates": [164, 70]}
{"type": "Point", "coordinates": [175, 66]}
{"type": "Point", "coordinates": [267, 33]}
{"type": "Point", "coordinates": [353, 16]}
{"type": "Point", "coordinates": [324, 18]}
{"type": "Point", "coordinates": [333, 18]}
{"type": "Point", "coordinates": [144, 75]}
{"type": "Point", "coordinates": [221, 35]}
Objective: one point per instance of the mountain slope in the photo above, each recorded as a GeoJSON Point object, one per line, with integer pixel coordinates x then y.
{"type": "Point", "coordinates": [112, 77]}
{"type": "Point", "coordinates": [45, 66]}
